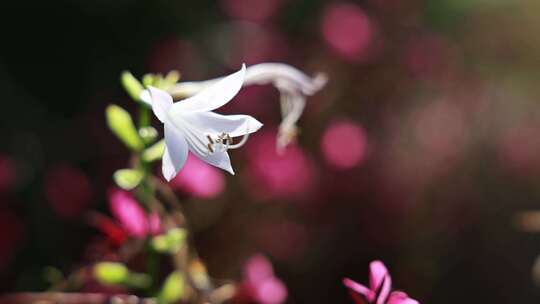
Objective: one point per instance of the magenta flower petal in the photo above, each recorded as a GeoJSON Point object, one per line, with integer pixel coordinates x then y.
{"type": "Point", "coordinates": [128, 213]}
{"type": "Point", "coordinates": [258, 269]}
{"type": "Point", "coordinates": [379, 281]}
{"type": "Point", "coordinates": [380, 285]}
{"type": "Point", "coordinates": [260, 285]}
{"type": "Point", "coordinates": [271, 291]}
{"type": "Point", "coordinates": [359, 288]}
{"type": "Point", "coordinates": [154, 224]}
{"type": "Point", "coordinates": [399, 297]}
{"type": "Point", "coordinates": [199, 179]}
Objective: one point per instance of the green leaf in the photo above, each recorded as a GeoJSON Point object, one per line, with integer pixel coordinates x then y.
{"type": "Point", "coordinates": [171, 79]}
{"type": "Point", "coordinates": [128, 179]}
{"type": "Point", "coordinates": [160, 243]}
{"type": "Point", "coordinates": [139, 280]}
{"type": "Point", "coordinates": [122, 126]}
{"type": "Point", "coordinates": [155, 152]}
{"type": "Point", "coordinates": [132, 86]}
{"type": "Point", "coordinates": [148, 80]}
{"type": "Point", "coordinates": [170, 242]}
{"type": "Point", "coordinates": [177, 238]}
{"type": "Point", "coordinates": [173, 288]}
{"type": "Point", "coordinates": [148, 134]}
{"type": "Point", "coordinates": [111, 273]}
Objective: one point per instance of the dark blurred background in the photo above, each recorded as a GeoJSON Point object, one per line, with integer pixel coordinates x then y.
{"type": "Point", "coordinates": [420, 151]}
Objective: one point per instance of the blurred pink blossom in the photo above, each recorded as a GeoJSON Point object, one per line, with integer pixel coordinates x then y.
{"type": "Point", "coordinates": [199, 179]}
{"type": "Point", "coordinates": [251, 10]}
{"type": "Point", "coordinates": [260, 285]}
{"type": "Point", "coordinates": [154, 224]}
{"type": "Point", "coordinates": [378, 292]}
{"type": "Point", "coordinates": [131, 216]}
{"type": "Point", "coordinates": [441, 129]}
{"type": "Point", "coordinates": [519, 148]}
{"type": "Point", "coordinates": [7, 173]}
{"type": "Point", "coordinates": [348, 30]}
{"type": "Point", "coordinates": [68, 190]}
{"type": "Point", "coordinates": [290, 173]}
{"type": "Point", "coordinates": [431, 57]}
{"type": "Point", "coordinates": [344, 144]}
{"type": "Point", "coordinates": [11, 230]}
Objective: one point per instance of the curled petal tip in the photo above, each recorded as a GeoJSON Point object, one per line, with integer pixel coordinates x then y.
{"type": "Point", "coordinates": [320, 80]}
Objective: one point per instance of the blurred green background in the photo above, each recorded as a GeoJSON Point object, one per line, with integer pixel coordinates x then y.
{"type": "Point", "coordinates": [445, 92]}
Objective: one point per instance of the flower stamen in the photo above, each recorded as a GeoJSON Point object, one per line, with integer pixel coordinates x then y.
{"type": "Point", "coordinates": [224, 142]}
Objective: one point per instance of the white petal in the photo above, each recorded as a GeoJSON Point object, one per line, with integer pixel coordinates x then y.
{"type": "Point", "coordinates": [197, 144]}
{"type": "Point", "coordinates": [176, 151]}
{"type": "Point", "coordinates": [195, 137]}
{"type": "Point", "coordinates": [220, 160]}
{"type": "Point", "coordinates": [284, 77]}
{"type": "Point", "coordinates": [214, 124]}
{"type": "Point", "coordinates": [146, 98]}
{"type": "Point", "coordinates": [167, 166]}
{"type": "Point", "coordinates": [214, 96]}
{"type": "Point", "coordinates": [161, 103]}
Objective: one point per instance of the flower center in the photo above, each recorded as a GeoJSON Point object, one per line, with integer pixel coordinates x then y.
{"type": "Point", "coordinates": [224, 142]}
{"type": "Point", "coordinates": [221, 143]}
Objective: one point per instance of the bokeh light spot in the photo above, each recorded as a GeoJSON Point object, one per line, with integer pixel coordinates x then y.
{"type": "Point", "coordinates": [290, 174]}
{"type": "Point", "coordinates": [347, 30]}
{"type": "Point", "coordinates": [344, 144]}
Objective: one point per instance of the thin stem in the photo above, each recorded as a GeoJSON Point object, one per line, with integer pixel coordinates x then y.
{"type": "Point", "coordinates": [144, 116]}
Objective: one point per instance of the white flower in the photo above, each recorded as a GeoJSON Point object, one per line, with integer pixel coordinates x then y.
{"type": "Point", "coordinates": [190, 124]}
{"type": "Point", "coordinates": [293, 85]}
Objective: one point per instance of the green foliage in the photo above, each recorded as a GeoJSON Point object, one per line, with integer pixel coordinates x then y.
{"type": "Point", "coordinates": [122, 126]}
{"type": "Point", "coordinates": [155, 152]}
{"type": "Point", "coordinates": [128, 179]}
{"type": "Point", "coordinates": [160, 82]}
{"type": "Point", "coordinates": [111, 273]}
{"type": "Point", "coordinates": [173, 288]}
{"type": "Point", "coordinates": [132, 86]}
{"type": "Point", "coordinates": [170, 242]}
{"type": "Point", "coordinates": [148, 134]}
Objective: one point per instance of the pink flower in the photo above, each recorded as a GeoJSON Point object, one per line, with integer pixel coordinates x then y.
{"type": "Point", "coordinates": [131, 216]}
{"type": "Point", "coordinates": [199, 179]}
{"type": "Point", "coordinates": [260, 284]}
{"type": "Point", "coordinates": [378, 292]}
{"type": "Point", "coordinates": [68, 190]}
